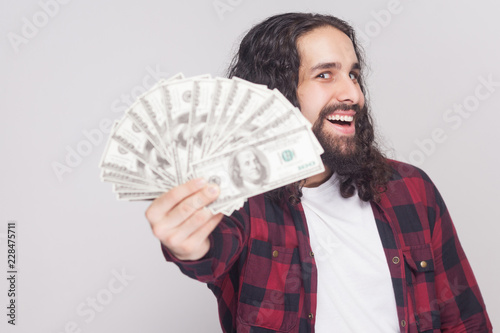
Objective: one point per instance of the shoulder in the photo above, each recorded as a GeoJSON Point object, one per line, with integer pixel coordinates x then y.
{"type": "Point", "coordinates": [411, 182]}
{"type": "Point", "coordinates": [410, 176]}
{"type": "Point", "coordinates": [405, 171]}
{"type": "Point", "coordinates": [412, 199]}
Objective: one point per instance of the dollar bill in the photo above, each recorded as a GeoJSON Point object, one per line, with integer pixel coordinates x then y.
{"type": "Point", "coordinates": [116, 177]}
{"type": "Point", "coordinates": [271, 108]}
{"type": "Point", "coordinates": [130, 137]}
{"type": "Point", "coordinates": [121, 165]}
{"type": "Point", "coordinates": [253, 99]}
{"type": "Point", "coordinates": [138, 195]}
{"type": "Point", "coordinates": [148, 113]}
{"type": "Point", "coordinates": [139, 115]}
{"type": "Point", "coordinates": [260, 167]}
{"type": "Point", "coordinates": [243, 136]}
{"type": "Point", "coordinates": [234, 98]}
{"type": "Point", "coordinates": [128, 188]}
{"type": "Point", "coordinates": [221, 92]}
{"type": "Point", "coordinates": [204, 95]}
{"type": "Point", "coordinates": [178, 104]}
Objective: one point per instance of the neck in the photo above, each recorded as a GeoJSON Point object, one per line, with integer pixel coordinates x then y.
{"type": "Point", "coordinates": [318, 179]}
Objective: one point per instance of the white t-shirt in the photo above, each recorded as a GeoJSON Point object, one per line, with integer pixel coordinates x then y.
{"type": "Point", "coordinates": [355, 292]}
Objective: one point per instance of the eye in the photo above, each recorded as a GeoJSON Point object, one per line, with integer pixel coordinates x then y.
{"type": "Point", "coordinates": [354, 76]}
{"type": "Point", "coordinates": [325, 75]}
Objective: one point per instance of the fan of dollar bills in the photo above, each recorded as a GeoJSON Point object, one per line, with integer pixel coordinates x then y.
{"type": "Point", "coordinates": [244, 137]}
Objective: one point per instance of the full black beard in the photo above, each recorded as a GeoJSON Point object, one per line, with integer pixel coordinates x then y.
{"type": "Point", "coordinates": [343, 155]}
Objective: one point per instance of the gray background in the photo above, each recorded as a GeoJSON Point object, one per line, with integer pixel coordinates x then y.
{"type": "Point", "coordinates": [71, 75]}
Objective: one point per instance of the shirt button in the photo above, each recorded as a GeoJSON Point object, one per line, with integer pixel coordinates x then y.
{"type": "Point", "coordinates": [403, 323]}
{"type": "Point", "coordinates": [395, 260]}
{"type": "Point", "coordinates": [311, 254]}
{"type": "Point", "coordinates": [275, 253]}
{"type": "Point", "coordinates": [423, 264]}
{"type": "Point", "coordinates": [310, 316]}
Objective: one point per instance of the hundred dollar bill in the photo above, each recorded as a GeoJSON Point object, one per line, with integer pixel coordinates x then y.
{"type": "Point", "coordinates": [151, 104]}
{"type": "Point", "coordinates": [221, 91]}
{"type": "Point", "coordinates": [281, 124]}
{"type": "Point", "coordinates": [139, 115]}
{"type": "Point", "coordinates": [291, 119]}
{"type": "Point", "coordinates": [149, 113]}
{"type": "Point", "coordinates": [234, 98]}
{"type": "Point", "coordinates": [272, 108]}
{"type": "Point", "coordinates": [138, 195]}
{"type": "Point", "coordinates": [178, 103]}
{"type": "Point", "coordinates": [179, 125]}
{"type": "Point", "coordinates": [130, 137]}
{"type": "Point", "coordinates": [117, 188]}
{"type": "Point", "coordinates": [260, 167]}
{"type": "Point", "coordinates": [254, 97]}
{"type": "Point", "coordinates": [202, 104]}
{"type": "Point", "coordinates": [124, 179]}
{"type": "Point", "coordinates": [121, 165]}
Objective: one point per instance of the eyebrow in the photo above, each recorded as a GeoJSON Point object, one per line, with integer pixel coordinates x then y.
{"type": "Point", "coordinates": [333, 65]}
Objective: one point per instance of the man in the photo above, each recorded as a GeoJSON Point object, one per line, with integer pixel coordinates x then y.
{"type": "Point", "coordinates": [366, 246]}
{"type": "Point", "coordinates": [247, 171]}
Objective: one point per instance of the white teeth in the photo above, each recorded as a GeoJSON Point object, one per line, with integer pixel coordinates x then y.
{"type": "Point", "coordinates": [341, 118]}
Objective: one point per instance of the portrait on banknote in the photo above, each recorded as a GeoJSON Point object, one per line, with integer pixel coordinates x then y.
{"type": "Point", "coordinates": [249, 168]}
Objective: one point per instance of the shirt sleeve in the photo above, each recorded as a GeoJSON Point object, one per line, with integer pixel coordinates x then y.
{"type": "Point", "coordinates": [227, 241]}
{"type": "Point", "coordinates": [461, 305]}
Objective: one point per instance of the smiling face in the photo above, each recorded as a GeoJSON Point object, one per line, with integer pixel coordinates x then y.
{"type": "Point", "coordinates": [328, 90]}
{"type": "Point", "coordinates": [316, 68]}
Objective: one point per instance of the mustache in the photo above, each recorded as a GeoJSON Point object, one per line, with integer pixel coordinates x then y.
{"type": "Point", "coordinates": [328, 109]}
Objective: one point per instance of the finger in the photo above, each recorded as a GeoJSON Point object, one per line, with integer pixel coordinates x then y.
{"type": "Point", "coordinates": [193, 223]}
{"type": "Point", "coordinates": [164, 203]}
{"type": "Point", "coordinates": [205, 230]}
{"type": "Point", "coordinates": [173, 237]}
{"type": "Point", "coordinates": [182, 247]}
{"type": "Point", "coordinates": [189, 206]}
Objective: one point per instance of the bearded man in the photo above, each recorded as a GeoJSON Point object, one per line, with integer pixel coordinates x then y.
{"type": "Point", "coordinates": [366, 246]}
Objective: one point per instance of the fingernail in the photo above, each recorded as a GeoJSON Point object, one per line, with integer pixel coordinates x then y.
{"type": "Point", "coordinates": [213, 189]}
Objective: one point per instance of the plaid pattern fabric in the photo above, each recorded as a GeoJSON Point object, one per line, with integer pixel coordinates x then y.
{"type": "Point", "coordinates": [262, 270]}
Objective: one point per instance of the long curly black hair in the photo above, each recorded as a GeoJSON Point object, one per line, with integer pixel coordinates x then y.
{"type": "Point", "coordinates": [268, 55]}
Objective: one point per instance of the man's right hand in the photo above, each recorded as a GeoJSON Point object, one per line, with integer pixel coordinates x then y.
{"type": "Point", "coordinates": [181, 221]}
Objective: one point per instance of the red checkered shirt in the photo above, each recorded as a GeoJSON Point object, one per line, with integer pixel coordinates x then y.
{"type": "Point", "coordinates": [262, 270]}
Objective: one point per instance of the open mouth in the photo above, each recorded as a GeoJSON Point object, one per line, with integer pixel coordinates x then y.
{"type": "Point", "coordinates": [342, 120]}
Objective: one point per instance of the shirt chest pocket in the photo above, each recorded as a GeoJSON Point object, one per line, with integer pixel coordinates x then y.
{"type": "Point", "coordinates": [270, 291]}
{"type": "Point", "coordinates": [419, 268]}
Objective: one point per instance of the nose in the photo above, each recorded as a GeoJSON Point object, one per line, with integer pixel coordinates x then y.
{"type": "Point", "coordinates": [252, 164]}
{"type": "Point", "coordinates": [349, 91]}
